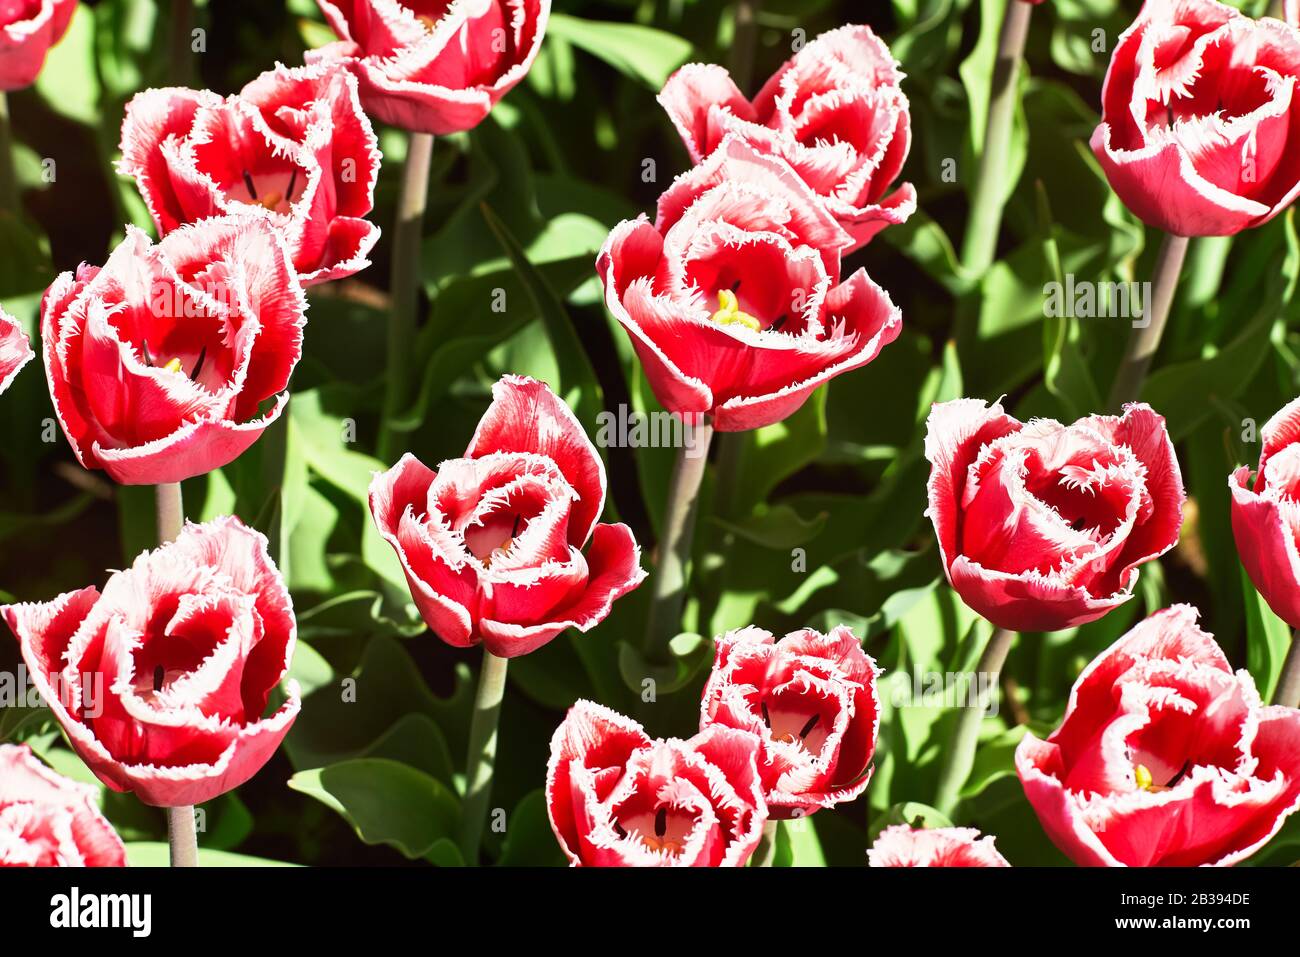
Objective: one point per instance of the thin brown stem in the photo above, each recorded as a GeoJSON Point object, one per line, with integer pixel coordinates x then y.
{"type": "Point", "coordinates": [668, 595]}
{"type": "Point", "coordinates": [180, 65]}
{"type": "Point", "coordinates": [958, 760]}
{"type": "Point", "coordinates": [480, 764]}
{"type": "Point", "coordinates": [1288, 682]}
{"type": "Point", "coordinates": [8, 180]}
{"type": "Point", "coordinates": [1144, 340]}
{"type": "Point", "coordinates": [182, 836]}
{"type": "Point", "coordinates": [405, 284]}
{"type": "Point", "coordinates": [989, 193]}
{"type": "Point", "coordinates": [171, 512]}
{"type": "Point", "coordinates": [744, 40]}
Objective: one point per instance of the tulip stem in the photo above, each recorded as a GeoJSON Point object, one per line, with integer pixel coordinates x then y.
{"type": "Point", "coordinates": [765, 853]}
{"type": "Point", "coordinates": [668, 595]}
{"type": "Point", "coordinates": [8, 182]}
{"type": "Point", "coordinates": [729, 465]}
{"type": "Point", "coordinates": [957, 761]}
{"type": "Point", "coordinates": [180, 57]}
{"type": "Point", "coordinates": [404, 280]}
{"type": "Point", "coordinates": [481, 762]}
{"type": "Point", "coordinates": [744, 39]}
{"type": "Point", "coordinates": [989, 193]}
{"type": "Point", "coordinates": [1143, 341]}
{"type": "Point", "coordinates": [1288, 682]}
{"type": "Point", "coordinates": [182, 836]}
{"type": "Point", "coordinates": [171, 513]}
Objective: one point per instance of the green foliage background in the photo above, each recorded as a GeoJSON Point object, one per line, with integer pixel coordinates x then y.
{"type": "Point", "coordinates": [522, 204]}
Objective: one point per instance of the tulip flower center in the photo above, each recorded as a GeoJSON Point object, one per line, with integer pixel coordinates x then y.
{"type": "Point", "coordinates": [174, 364]}
{"type": "Point", "coordinates": [430, 12]}
{"type": "Point", "coordinates": [1145, 781]}
{"type": "Point", "coordinates": [661, 830]}
{"type": "Point", "coordinates": [792, 726]}
{"type": "Point", "coordinates": [493, 540]}
{"type": "Point", "coordinates": [729, 312]}
{"type": "Point", "coordinates": [264, 192]}
{"type": "Point", "coordinates": [1084, 501]}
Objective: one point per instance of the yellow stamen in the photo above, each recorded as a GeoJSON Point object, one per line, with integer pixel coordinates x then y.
{"type": "Point", "coordinates": [661, 844]}
{"type": "Point", "coordinates": [1143, 777]}
{"type": "Point", "coordinates": [498, 553]}
{"type": "Point", "coordinates": [270, 201]}
{"type": "Point", "coordinates": [173, 366]}
{"type": "Point", "coordinates": [729, 312]}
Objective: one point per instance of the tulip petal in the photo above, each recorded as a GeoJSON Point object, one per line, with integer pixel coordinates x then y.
{"type": "Point", "coordinates": [65, 815]}
{"type": "Point", "coordinates": [526, 416]}
{"type": "Point", "coordinates": [614, 569]}
{"type": "Point", "coordinates": [902, 846]}
{"type": "Point", "coordinates": [15, 350]}
{"type": "Point", "coordinates": [692, 98]}
{"type": "Point", "coordinates": [392, 493]}
{"type": "Point", "coordinates": [1163, 701]}
{"type": "Point", "coordinates": [27, 38]}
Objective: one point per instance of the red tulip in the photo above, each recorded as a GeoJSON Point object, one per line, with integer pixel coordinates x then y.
{"type": "Point", "coordinates": [492, 543]}
{"type": "Point", "coordinates": [160, 362]}
{"type": "Point", "coordinates": [434, 67]}
{"type": "Point", "coordinates": [901, 846]}
{"type": "Point", "coordinates": [28, 28]}
{"type": "Point", "coordinates": [292, 147]}
{"type": "Point", "coordinates": [1043, 526]}
{"type": "Point", "coordinates": [15, 350]}
{"type": "Point", "coordinates": [811, 700]}
{"type": "Point", "coordinates": [618, 798]}
{"type": "Point", "coordinates": [835, 111]}
{"type": "Point", "coordinates": [733, 297]}
{"type": "Point", "coordinates": [161, 681]}
{"type": "Point", "coordinates": [1164, 756]}
{"type": "Point", "coordinates": [47, 820]}
{"type": "Point", "coordinates": [1266, 518]}
{"type": "Point", "coordinates": [1198, 110]}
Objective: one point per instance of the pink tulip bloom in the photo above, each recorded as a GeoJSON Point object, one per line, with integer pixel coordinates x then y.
{"type": "Point", "coordinates": [1042, 526]}
{"type": "Point", "coordinates": [28, 28]}
{"type": "Point", "coordinates": [1266, 517]}
{"type": "Point", "coordinates": [160, 362]}
{"type": "Point", "coordinates": [618, 798]}
{"type": "Point", "coordinates": [431, 66]}
{"type": "Point", "coordinates": [1198, 110]}
{"type": "Point", "coordinates": [293, 147]}
{"type": "Point", "coordinates": [901, 846]}
{"type": "Point", "coordinates": [15, 350]}
{"type": "Point", "coordinates": [733, 299]}
{"type": "Point", "coordinates": [47, 820]}
{"type": "Point", "coordinates": [835, 111]}
{"type": "Point", "coordinates": [811, 700]}
{"type": "Point", "coordinates": [492, 544]}
{"type": "Point", "coordinates": [1165, 757]}
{"type": "Point", "coordinates": [161, 681]}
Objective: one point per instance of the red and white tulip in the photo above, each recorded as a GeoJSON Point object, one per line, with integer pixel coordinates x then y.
{"type": "Point", "coordinates": [504, 546]}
